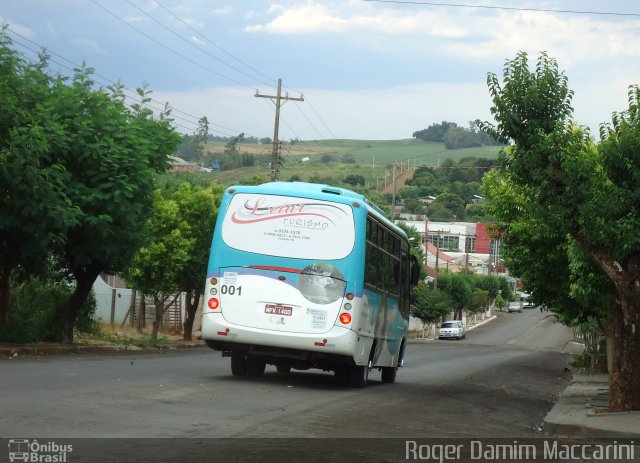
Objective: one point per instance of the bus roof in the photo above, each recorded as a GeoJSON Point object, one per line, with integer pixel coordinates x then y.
{"type": "Point", "coordinates": [318, 191]}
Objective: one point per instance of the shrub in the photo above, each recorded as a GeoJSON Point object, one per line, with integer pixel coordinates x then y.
{"type": "Point", "coordinates": [36, 313]}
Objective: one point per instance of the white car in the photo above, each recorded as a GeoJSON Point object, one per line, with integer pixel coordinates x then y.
{"type": "Point", "coordinates": [452, 329]}
{"type": "Point", "coordinates": [514, 307]}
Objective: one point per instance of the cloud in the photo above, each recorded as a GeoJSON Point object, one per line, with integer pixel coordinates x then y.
{"type": "Point", "coordinates": [88, 44]}
{"type": "Point", "coordinates": [381, 114]}
{"type": "Point", "coordinates": [197, 41]}
{"type": "Point", "coordinates": [19, 28]}
{"type": "Point", "coordinates": [315, 18]}
{"type": "Point", "coordinates": [468, 33]}
{"type": "Point", "coordinates": [416, 107]}
{"type": "Point", "coordinates": [225, 11]}
{"type": "Point", "coordinates": [570, 40]}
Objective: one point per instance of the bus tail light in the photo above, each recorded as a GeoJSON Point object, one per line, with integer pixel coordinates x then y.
{"type": "Point", "coordinates": [345, 318]}
{"type": "Point", "coordinates": [213, 303]}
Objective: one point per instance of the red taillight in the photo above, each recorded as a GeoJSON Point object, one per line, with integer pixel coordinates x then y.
{"type": "Point", "coordinates": [213, 303]}
{"type": "Point", "coordinates": [345, 318]}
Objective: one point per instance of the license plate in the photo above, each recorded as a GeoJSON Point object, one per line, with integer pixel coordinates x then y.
{"type": "Point", "coordinates": [276, 309]}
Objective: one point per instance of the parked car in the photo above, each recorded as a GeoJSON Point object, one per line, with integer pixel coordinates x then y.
{"type": "Point", "coordinates": [528, 304]}
{"type": "Point", "coordinates": [514, 307]}
{"type": "Point", "coordinates": [452, 329]}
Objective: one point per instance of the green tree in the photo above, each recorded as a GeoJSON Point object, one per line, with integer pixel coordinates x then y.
{"type": "Point", "coordinates": [93, 161]}
{"type": "Point", "coordinates": [354, 180]}
{"type": "Point", "coordinates": [112, 154]}
{"type": "Point", "coordinates": [160, 266]}
{"type": "Point", "coordinates": [583, 198]}
{"type": "Point", "coordinates": [231, 147]}
{"type": "Point", "coordinates": [479, 300]}
{"type": "Point", "coordinates": [453, 203]}
{"type": "Point", "coordinates": [198, 210]}
{"type": "Point", "coordinates": [457, 286]}
{"type": "Point", "coordinates": [201, 136]}
{"type": "Point", "coordinates": [35, 211]}
{"type": "Point", "coordinates": [429, 305]}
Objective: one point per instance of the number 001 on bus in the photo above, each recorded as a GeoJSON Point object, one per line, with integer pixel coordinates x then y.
{"type": "Point", "coordinates": [308, 276]}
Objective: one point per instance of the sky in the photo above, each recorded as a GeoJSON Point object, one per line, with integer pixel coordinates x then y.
{"type": "Point", "coordinates": [368, 70]}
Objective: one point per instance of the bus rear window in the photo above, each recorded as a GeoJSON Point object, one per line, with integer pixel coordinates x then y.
{"type": "Point", "coordinates": [285, 226]}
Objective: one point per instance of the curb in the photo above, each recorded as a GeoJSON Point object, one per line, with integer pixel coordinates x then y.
{"type": "Point", "coordinates": [60, 349]}
{"type": "Point", "coordinates": [475, 325]}
{"type": "Point", "coordinates": [575, 414]}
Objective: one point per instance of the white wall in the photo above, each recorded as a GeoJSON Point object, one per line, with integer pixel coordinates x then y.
{"type": "Point", "coordinates": [104, 296]}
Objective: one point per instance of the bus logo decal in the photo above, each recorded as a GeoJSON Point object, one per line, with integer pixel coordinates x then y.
{"type": "Point", "coordinates": [255, 211]}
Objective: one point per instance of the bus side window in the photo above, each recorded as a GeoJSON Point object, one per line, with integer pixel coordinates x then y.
{"type": "Point", "coordinates": [397, 272]}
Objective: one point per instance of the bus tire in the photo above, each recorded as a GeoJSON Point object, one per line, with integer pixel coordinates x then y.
{"type": "Point", "coordinates": [389, 374]}
{"type": "Point", "coordinates": [255, 366]}
{"type": "Point", "coordinates": [238, 365]}
{"type": "Point", "coordinates": [342, 375]}
{"type": "Point", "coordinates": [283, 368]}
{"type": "Point", "coordinates": [359, 375]}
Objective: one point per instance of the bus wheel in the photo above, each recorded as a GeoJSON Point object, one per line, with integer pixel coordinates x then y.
{"type": "Point", "coordinates": [283, 368]}
{"type": "Point", "coordinates": [255, 366]}
{"type": "Point", "coordinates": [389, 374]}
{"type": "Point", "coordinates": [238, 365]}
{"type": "Point", "coordinates": [342, 375]}
{"type": "Point", "coordinates": [359, 375]}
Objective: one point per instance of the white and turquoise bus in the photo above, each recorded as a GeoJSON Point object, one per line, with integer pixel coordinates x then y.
{"type": "Point", "coordinates": [307, 276]}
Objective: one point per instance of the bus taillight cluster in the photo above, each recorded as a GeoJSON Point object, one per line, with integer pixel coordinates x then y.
{"type": "Point", "coordinates": [213, 303]}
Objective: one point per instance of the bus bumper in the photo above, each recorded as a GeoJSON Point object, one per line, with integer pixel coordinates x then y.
{"type": "Point", "coordinates": [222, 335]}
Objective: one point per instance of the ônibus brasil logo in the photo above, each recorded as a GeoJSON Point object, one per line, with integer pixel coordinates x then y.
{"type": "Point", "coordinates": [41, 452]}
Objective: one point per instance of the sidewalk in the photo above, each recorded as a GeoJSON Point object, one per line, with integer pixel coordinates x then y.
{"type": "Point", "coordinates": [581, 412]}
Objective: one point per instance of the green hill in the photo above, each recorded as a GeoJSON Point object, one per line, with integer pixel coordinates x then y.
{"type": "Point", "coordinates": [371, 159]}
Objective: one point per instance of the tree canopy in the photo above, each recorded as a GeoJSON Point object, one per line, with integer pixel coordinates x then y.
{"type": "Point", "coordinates": [455, 137]}
{"type": "Point", "coordinates": [568, 210]}
{"type": "Point", "coordinates": [77, 168]}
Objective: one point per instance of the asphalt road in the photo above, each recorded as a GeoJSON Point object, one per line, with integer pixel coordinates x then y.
{"type": "Point", "coordinates": [498, 382]}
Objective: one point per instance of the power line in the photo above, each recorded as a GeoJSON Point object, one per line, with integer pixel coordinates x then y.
{"type": "Point", "coordinates": [93, 73]}
{"type": "Point", "coordinates": [240, 61]}
{"type": "Point", "coordinates": [321, 120]}
{"type": "Point", "coordinates": [157, 42]}
{"type": "Point", "coordinates": [505, 8]}
{"type": "Point", "coordinates": [190, 42]}
{"type": "Point", "coordinates": [114, 83]}
{"type": "Point", "coordinates": [271, 79]}
{"type": "Point", "coordinates": [182, 38]}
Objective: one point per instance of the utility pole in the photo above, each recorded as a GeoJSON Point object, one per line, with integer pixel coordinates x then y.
{"type": "Point", "coordinates": [277, 100]}
{"type": "Point", "coordinates": [437, 256]}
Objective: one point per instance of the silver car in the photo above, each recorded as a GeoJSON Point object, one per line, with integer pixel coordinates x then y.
{"type": "Point", "coordinates": [452, 329]}
{"type": "Point", "coordinates": [514, 307]}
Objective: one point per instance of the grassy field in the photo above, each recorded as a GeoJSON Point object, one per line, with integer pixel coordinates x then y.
{"type": "Point", "coordinates": [374, 159]}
